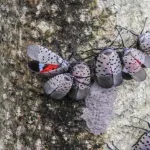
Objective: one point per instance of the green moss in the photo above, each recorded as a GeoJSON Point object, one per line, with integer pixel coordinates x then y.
{"type": "Point", "coordinates": [93, 4]}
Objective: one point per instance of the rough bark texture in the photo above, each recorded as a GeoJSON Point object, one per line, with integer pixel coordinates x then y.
{"type": "Point", "coordinates": [30, 120]}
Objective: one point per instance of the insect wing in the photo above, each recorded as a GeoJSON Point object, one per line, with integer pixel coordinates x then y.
{"type": "Point", "coordinates": [144, 42]}
{"type": "Point", "coordinates": [143, 143]}
{"type": "Point", "coordinates": [134, 68]}
{"type": "Point", "coordinates": [82, 80]}
{"type": "Point", "coordinates": [43, 55]}
{"type": "Point", "coordinates": [48, 68]}
{"type": "Point", "coordinates": [33, 51]}
{"type": "Point", "coordinates": [108, 69]}
{"type": "Point", "coordinates": [116, 68]}
{"type": "Point", "coordinates": [58, 86]}
{"type": "Point", "coordinates": [103, 71]}
{"type": "Point", "coordinates": [140, 57]}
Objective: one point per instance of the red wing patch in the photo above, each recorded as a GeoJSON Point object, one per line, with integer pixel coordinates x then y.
{"type": "Point", "coordinates": [138, 62]}
{"type": "Point", "coordinates": [49, 67]}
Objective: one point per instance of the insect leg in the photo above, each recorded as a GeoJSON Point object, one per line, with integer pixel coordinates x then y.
{"type": "Point", "coordinates": [121, 37]}
{"type": "Point", "coordinates": [144, 25]}
{"type": "Point", "coordinates": [109, 147]}
{"type": "Point", "coordinates": [112, 145]}
{"type": "Point", "coordinates": [73, 53]}
{"type": "Point", "coordinates": [144, 121]}
{"type": "Point", "coordinates": [127, 30]}
{"type": "Point", "coordinates": [114, 39]}
{"type": "Point", "coordinates": [137, 128]}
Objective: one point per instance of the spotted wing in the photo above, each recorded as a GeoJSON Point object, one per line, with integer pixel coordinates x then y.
{"type": "Point", "coordinates": [108, 69]}
{"type": "Point", "coordinates": [82, 80]}
{"type": "Point", "coordinates": [141, 57]}
{"type": "Point", "coordinates": [43, 55]}
{"type": "Point", "coordinates": [116, 68]}
{"type": "Point", "coordinates": [143, 143]}
{"type": "Point", "coordinates": [134, 68]}
{"type": "Point", "coordinates": [58, 86]}
{"type": "Point", "coordinates": [103, 71]}
{"type": "Point", "coordinates": [144, 42]}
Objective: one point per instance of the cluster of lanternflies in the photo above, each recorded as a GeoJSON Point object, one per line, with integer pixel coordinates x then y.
{"type": "Point", "coordinates": [74, 79]}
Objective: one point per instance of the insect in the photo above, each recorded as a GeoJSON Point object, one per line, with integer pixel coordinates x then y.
{"type": "Point", "coordinates": [50, 64]}
{"type": "Point", "coordinates": [133, 61]}
{"type": "Point", "coordinates": [82, 79]}
{"type": "Point", "coordinates": [77, 82]}
{"type": "Point", "coordinates": [142, 40]}
{"type": "Point", "coordinates": [108, 68]}
{"type": "Point", "coordinates": [45, 62]}
{"type": "Point", "coordinates": [143, 142]}
{"type": "Point", "coordinates": [58, 87]}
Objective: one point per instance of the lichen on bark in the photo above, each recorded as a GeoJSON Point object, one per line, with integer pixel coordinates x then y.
{"type": "Point", "coordinates": [30, 120]}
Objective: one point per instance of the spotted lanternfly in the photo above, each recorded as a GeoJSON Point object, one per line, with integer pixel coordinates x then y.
{"type": "Point", "coordinates": [46, 68]}
{"type": "Point", "coordinates": [58, 86]}
{"type": "Point", "coordinates": [144, 42]}
{"type": "Point", "coordinates": [45, 61]}
{"type": "Point", "coordinates": [108, 68]}
{"type": "Point", "coordinates": [142, 39]}
{"type": "Point", "coordinates": [133, 61]}
{"type": "Point", "coordinates": [82, 79]}
{"type": "Point", "coordinates": [143, 142]}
